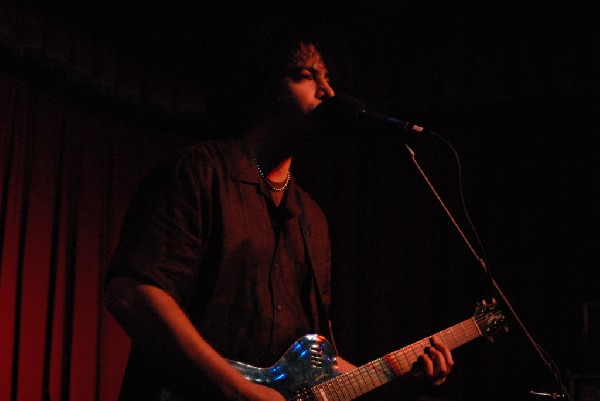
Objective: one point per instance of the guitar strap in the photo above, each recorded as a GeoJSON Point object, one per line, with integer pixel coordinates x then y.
{"type": "Point", "coordinates": [324, 321]}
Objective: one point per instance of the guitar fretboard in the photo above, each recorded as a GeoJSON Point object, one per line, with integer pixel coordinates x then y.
{"type": "Point", "coordinates": [382, 370]}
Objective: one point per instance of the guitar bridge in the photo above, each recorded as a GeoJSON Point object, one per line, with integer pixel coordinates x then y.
{"type": "Point", "coordinates": [316, 356]}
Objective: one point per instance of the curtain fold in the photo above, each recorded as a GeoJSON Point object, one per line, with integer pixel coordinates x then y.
{"type": "Point", "coordinates": [67, 176]}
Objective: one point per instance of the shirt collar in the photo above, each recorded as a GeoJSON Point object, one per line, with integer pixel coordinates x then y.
{"type": "Point", "coordinates": [243, 169]}
{"type": "Point", "coordinates": [241, 166]}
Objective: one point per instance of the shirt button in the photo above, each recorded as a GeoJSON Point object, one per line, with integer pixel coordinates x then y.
{"type": "Point", "coordinates": [276, 266]}
{"type": "Point", "coordinates": [279, 307]}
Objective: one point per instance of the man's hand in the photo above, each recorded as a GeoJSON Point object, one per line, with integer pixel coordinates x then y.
{"type": "Point", "coordinates": [436, 363]}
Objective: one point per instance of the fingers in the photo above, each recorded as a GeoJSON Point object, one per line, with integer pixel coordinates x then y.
{"type": "Point", "coordinates": [437, 361]}
{"type": "Point", "coordinates": [441, 347]}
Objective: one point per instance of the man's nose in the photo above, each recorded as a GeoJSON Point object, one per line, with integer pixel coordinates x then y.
{"type": "Point", "coordinates": [324, 89]}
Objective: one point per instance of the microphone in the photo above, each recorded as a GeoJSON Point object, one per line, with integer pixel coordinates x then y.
{"type": "Point", "coordinates": [348, 110]}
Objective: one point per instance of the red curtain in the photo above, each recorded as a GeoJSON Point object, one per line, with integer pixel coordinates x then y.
{"type": "Point", "coordinates": [67, 174]}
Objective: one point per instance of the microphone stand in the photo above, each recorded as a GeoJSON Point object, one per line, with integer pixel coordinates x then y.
{"type": "Point", "coordinates": [542, 354]}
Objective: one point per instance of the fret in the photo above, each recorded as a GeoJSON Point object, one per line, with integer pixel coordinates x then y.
{"type": "Point", "coordinates": [456, 342]}
{"type": "Point", "coordinates": [323, 390]}
{"type": "Point", "coordinates": [365, 380]}
{"type": "Point", "coordinates": [408, 361]}
{"type": "Point", "coordinates": [376, 374]}
{"type": "Point", "coordinates": [475, 326]}
{"type": "Point", "coordinates": [371, 374]}
{"type": "Point", "coordinates": [463, 327]}
{"type": "Point", "coordinates": [367, 377]}
{"type": "Point", "coordinates": [347, 388]}
{"type": "Point", "coordinates": [350, 386]}
{"type": "Point", "coordinates": [471, 331]}
{"type": "Point", "coordinates": [381, 370]}
{"type": "Point", "coordinates": [341, 388]}
{"type": "Point", "coordinates": [361, 381]}
{"type": "Point", "coordinates": [386, 369]}
{"type": "Point", "coordinates": [337, 389]}
{"type": "Point", "coordinates": [320, 391]}
{"type": "Point", "coordinates": [382, 375]}
{"type": "Point", "coordinates": [343, 382]}
{"type": "Point", "coordinates": [360, 385]}
{"type": "Point", "coordinates": [391, 365]}
{"type": "Point", "coordinates": [414, 352]}
{"type": "Point", "coordinates": [331, 390]}
{"type": "Point", "coordinates": [445, 336]}
{"type": "Point", "coordinates": [356, 382]}
{"type": "Point", "coordinates": [394, 366]}
{"type": "Point", "coordinates": [423, 347]}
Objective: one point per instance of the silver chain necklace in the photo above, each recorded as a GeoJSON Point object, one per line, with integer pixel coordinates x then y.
{"type": "Point", "coordinates": [270, 183]}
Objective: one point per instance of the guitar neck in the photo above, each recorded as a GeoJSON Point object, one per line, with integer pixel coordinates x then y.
{"type": "Point", "coordinates": [382, 370]}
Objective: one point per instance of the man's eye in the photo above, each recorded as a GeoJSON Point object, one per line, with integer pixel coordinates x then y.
{"type": "Point", "coordinates": [300, 75]}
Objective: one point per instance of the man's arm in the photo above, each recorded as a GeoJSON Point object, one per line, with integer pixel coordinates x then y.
{"type": "Point", "coordinates": [153, 319]}
{"type": "Point", "coordinates": [344, 366]}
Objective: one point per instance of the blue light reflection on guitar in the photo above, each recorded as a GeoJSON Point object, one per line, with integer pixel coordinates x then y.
{"type": "Point", "coordinates": [309, 371]}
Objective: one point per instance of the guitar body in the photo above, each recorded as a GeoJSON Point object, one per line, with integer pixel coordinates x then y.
{"type": "Point", "coordinates": [311, 360]}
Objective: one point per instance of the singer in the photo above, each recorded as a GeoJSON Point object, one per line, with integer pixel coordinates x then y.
{"type": "Point", "coordinates": [223, 257]}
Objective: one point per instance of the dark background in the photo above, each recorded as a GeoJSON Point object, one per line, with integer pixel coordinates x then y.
{"type": "Point", "coordinates": [514, 87]}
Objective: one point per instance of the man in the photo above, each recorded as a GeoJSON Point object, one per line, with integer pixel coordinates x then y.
{"type": "Point", "coordinates": [224, 256]}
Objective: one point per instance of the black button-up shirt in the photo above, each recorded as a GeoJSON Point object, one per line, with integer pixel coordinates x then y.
{"type": "Point", "coordinates": [205, 229]}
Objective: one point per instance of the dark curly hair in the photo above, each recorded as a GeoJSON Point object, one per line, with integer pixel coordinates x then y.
{"type": "Point", "coordinates": [248, 69]}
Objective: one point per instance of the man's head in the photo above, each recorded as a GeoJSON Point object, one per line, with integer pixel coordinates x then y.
{"type": "Point", "coordinates": [305, 80]}
{"type": "Point", "coordinates": [266, 77]}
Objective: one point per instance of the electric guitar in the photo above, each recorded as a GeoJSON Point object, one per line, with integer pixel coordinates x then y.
{"type": "Point", "coordinates": [308, 370]}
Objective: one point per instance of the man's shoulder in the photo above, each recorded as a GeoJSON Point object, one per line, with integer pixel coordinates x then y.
{"type": "Point", "coordinates": [210, 155]}
{"type": "Point", "coordinates": [213, 149]}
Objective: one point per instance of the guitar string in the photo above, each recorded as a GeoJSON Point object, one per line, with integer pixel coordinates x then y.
{"type": "Point", "coordinates": [345, 387]}
{"type": "Point", "coordinates": [366, 378]}
{"type": "Point", "coordinates": [362, 380]}
{"type": "Point", "coordinates": [454, 337]}
{"type": "Point", "coordinates": [350, 387]}
{"type": "Point", "coordinates": [356, 378]}
{"type": "Point", "coordinates": [462, 326]}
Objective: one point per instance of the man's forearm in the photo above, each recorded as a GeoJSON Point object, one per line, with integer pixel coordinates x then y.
{"type": "Point", "coordinates": [153, 320]}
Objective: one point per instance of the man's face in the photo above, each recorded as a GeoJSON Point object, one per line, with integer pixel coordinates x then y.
{"type": "Point", "coordinates": [306, 79]}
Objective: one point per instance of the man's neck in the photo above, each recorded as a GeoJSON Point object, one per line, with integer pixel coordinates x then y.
{"type": "Point", "coordinates": [280, 171]}
{"type": "Point", "coordinates": [273, 157]}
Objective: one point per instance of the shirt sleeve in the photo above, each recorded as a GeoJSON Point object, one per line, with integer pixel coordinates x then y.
{"type": "Point", "coordinates": [162, 241]}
